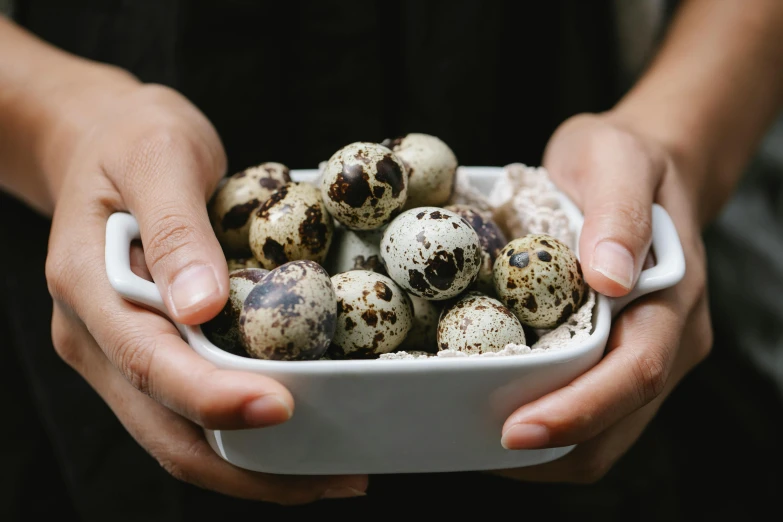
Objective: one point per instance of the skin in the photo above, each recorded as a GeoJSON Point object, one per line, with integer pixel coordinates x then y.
{"type": "Point", "coordinates": [80, 140]}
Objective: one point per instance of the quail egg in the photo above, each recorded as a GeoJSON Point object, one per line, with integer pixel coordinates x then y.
{"type": "Point", "coordinates": [373, 315]}
{"type": "Point", "coordinates": [292, 224]}
{"type": "Point", "coordinates": [431, 252]}
{"type": "Point", "coordinates": [431, 167]}
{"type": "Point", "coordinates": [423, 336]}
{"type": "Point", "coordinates": [223, 329]}
{"type": "Point", "coordinates": [476, 324]}
{"type": "Point", "coordinates": [290, 314]}
{"type": "Point", "coordinates": [492, 242]}
{"type": "Point", "coordinates": [355, 250]}
{"type": "Point", "coordinates": [237, 197]}
{"type": "Point", "coordinates": [238, 263]}
{"type": "Point", "coordinates": [364, 185]}
{"type": "Point", "coordinates": [540, 280]}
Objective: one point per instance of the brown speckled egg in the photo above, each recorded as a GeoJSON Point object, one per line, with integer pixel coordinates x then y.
{"type": "Point", "coordinates": [290, 314]}
{"type": "Point", "coordinates": [373, 315]}
{"type": "Point", "coordinates": [431, 166]}
{"type": "Point", "coordinates": [292, 224]}
{"type": "Point", "coordinates": [237, 197]}
{"type": "Point", "coordinates": [431, 252]}
{"type": "Point", "coordinates": [423, 336]}
{"type": "Point", "coordinates": [355, 250]}
{"type": "Point", "coordinates": [492, 242]}
{"type": "Point", "coordinates": [238, 263]}
{"type": "Point", "coordinates": [364, 185]}
{"type": "Point", "coordinates": [539, 279]}
{"type": "Point", "coordinates": [476, 324]}
{"type": "Point", "coordinates": [223, 329]}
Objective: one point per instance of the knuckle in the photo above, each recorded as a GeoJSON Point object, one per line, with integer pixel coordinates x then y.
{"type": "Point", "coordinates": [650, 371]}
{"type": "Point", "coordinates": [66, 345]}
{"type": "Point", "coordinates": [635, 218]}
{"type": "Point", "coordinates": [134, 358]}
{"type": "Point", "coordinates": [168, 233]}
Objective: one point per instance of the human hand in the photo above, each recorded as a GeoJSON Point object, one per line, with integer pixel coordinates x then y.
{"type": "Point", "coordinates": [123, 146]}
{"type": "Point", "coordinates": [614, 173]}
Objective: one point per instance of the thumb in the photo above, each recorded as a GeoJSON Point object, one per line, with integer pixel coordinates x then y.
{"type": "Point", "coordinates": [613, 179]}
{"type": "Point", "coordinates": [180, 248]}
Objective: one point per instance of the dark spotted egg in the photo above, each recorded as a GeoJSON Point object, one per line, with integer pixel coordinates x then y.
{"type": "Point", "coordinates": [237, 198]}
{"type": "Point", "coordinates": [373, 315]}
{"type": "Point", "coordinates": [431, 166]}
{"type": "Point", "coordinates": [431, 252]}
{"type": "Point", "coordinates": [290, 314]}
{"type": "Point", "coordinates": [355, 250]}
{"type": "Point", "coordinates": [476, 324]}
{"type": "Point", "coordinates": [223, 329]}
{"type": "Point", "coordinates": [492, 242]}
{"type": "Point", "coordinates": [292, 224]}
{"type": "Point", "coordinates": [540, 280]}
{"type": "Point", "coordinates": [364, 185]}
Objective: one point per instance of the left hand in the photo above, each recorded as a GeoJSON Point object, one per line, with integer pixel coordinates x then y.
{"type": "Point", "coordinates": [614, 174]}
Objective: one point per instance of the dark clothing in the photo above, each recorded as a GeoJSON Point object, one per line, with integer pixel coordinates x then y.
{"type": "Point", "coordinates": [293, 82]}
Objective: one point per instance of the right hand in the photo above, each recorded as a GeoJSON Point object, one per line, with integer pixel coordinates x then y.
{"type": "Point", "coordinates": [124, 146]}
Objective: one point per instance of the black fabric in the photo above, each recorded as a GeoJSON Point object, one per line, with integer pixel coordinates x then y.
{"type": "Point", "coordinates": [292, 82]}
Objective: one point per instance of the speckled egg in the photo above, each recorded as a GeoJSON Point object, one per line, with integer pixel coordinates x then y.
{"type": "Point", "coordinates": [291, 314]}
{"type": "Point", "coordinates": [237, 197]}
{"type": "Point", "coordinates": [431, 166]}
{"type": "Point", "coordinates": [237, 263]}
{"type": "Point", "coordinates": [355, 250]}
{"type": "Point", "coordinates": [431, 252]}
{"type": "Point", "coordinates": [423, 336]}
{"type": "Point", "coordinates": [223, 329]}
{"type": "Point", "coordinates": [539, 279]}
{"type": "Point", "coordinates": [492, 242]}
{"type": "Point", "coordinates": [364, 185]}
{"type": "Point", "coordinates": [476, 324]}
{"type": "Point", "coordinates": [292, 224]}
{"type": "Point", "coordinates": [373, 315]}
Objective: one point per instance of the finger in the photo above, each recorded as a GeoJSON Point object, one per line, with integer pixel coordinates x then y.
{"type": "Point", "coordinates": [591, 460]}
{"type": "Point", "coordinates": [180, 446]}
{"type": "Point", "coordinates": [641, 349]}
{"type": "Point", "coordinates": [173, 175]}
{"type": "Point", "coordinates": [614, 180]}
{"type": "Point", "coordinates": [145, 347]}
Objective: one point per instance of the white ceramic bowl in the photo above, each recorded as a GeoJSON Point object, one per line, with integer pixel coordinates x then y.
{"type": "Point", "coordinates": [400, 416]}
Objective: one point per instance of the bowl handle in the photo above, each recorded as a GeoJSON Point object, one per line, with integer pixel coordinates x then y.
{"type": "Point", "coordinates": [669, 268]}
{"type": "Point", "coordinates": [121, 229]}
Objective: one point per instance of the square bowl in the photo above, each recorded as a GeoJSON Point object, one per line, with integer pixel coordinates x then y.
{"type": "Point", "coordinates": [401, 415]}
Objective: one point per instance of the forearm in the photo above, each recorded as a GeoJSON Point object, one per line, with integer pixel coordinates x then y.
{"type": "Point", "coordinates": [712, 92]}
{"type": "Point", "coordinates": [45, 96]}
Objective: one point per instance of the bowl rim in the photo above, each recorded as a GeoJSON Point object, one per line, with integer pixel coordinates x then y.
{"type": "Point", "coordinates": [601, 321]}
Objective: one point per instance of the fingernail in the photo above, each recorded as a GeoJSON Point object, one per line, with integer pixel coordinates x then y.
{"type": "Point", "coordinates": [266, 411]}
{"type": "Point", "coordinates": [525, 436]}
{"type": "Point", "coordinates": [343, 493]}
{"type": "Point", "coordinates": [192, 286]}
{"type": "Point", "coordinates": [615, 262]}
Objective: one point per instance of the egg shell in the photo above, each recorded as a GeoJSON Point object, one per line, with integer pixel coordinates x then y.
{"type": "Point", "coordinates": [423, 336]}
{"type": "Point", "coordinates": [374, 315]}
{"type": "Point", "coordinates": [431, 252]}
{"type": "Point", "coordinates": [492, 242]}
{"type": "Point", "coordinates": [237, 263]}
{"type": "Point", "coordinates": [235, 200]}
{"type": "Point", "coordinates": [290, 314]}
{"type": "Point", "coordinates": [476, 324]}
{"type": "Point", "coordinates": [364, 185]}
{"type": "Point", "coordinates": [431, 166]}
{"type": "Point", "coordinates": [223, 329]}
{"type": "Point", "coordinates": [355, 250]}
{"type": "Point", "coordinates": [293, 224]}
{"type": "Point", "coordinates": [540, 280]}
